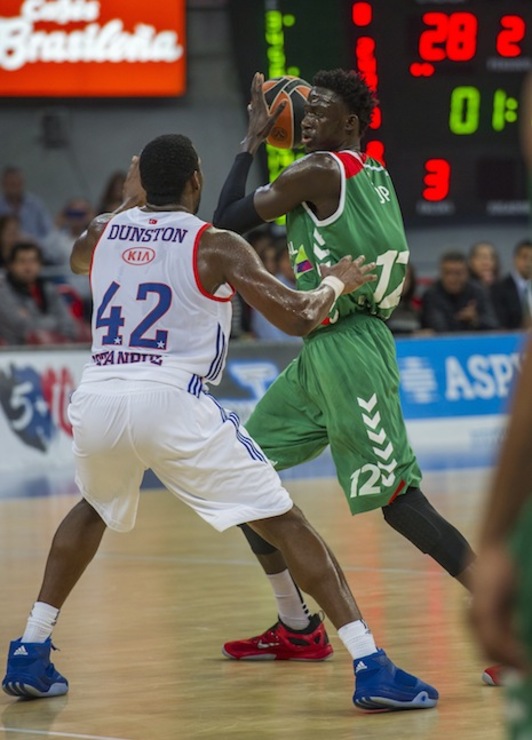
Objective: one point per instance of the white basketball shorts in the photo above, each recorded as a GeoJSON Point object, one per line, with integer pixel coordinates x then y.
{"type": "Point", "coordinates": [196, 448]}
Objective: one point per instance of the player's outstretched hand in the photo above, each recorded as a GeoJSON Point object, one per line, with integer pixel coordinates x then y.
{"type": "Point", "coordinates": [353, 273]}
{"type": "Point", "coordinates": [133, 192]}
{"type": "Point", "coordinates": [261, 121]}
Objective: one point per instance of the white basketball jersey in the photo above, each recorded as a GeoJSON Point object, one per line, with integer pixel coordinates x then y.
{"type": "Point", "coordinates": [152, 318]}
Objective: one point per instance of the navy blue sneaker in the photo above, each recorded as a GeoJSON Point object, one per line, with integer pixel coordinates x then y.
{"type": "Point", "coordinates": [29, 671]}
{"type": "Point", "coordinates": [380, 685]}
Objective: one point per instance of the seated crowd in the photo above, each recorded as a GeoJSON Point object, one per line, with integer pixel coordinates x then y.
{"type": "Point", "coordinates": [42, 301]}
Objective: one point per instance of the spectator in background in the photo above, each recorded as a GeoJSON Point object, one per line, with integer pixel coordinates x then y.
{"type": "Point", "coordinates": [406, 319]}
{"type": "Point", "coordinates": [483, 262]}
{"type": "Point", "coordinates": [71, 222]}
{"type": "Point", "coordinates": [455, 302]}
{"type": "Point", "coordinates": [261, 240]}
{"type": "Point", "coordinates": [277, 261]}
{"type": "Point", "coordinates": [512, 296]}
{"type": "Point", "coordinates": [35, 221]}
{"type": "Point", "coordinates": [31, 309]}
{"type": "Point", "coordinates": [10, 234]}
{"type": "Point", "coordinates": [111, 197]}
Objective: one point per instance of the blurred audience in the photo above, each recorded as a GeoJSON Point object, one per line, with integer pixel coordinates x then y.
{"type": "Point", "coordinates": [32, 310]}
{"type": "Point", "coordinates": [277, 261]}
{"type": "Point", "coordinates": [512, 296]}
{"type": "Point", "coordinates": [15, 200]}
{"type": "Point", "coordinates": [455, 303]}
{"type": "Point", "coordinates": [71, 221]}
{"type": "Point", "coordinates": [111, 196]}
{"type": "Point", "coordinates": [406, 319]}
{"type": "Point", "coordinates": [10, 234]}
{"type": "Point", "coordinates": [484, 265]}
{"type": "Point", "coordinates": [261, 240]}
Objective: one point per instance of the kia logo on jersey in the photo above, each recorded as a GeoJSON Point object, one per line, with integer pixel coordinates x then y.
{"type": "Point", "coordinates": [138, 255]}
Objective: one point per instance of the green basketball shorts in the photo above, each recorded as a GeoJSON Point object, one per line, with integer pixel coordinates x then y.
{"type": "Point", "coordinates": [342, 390]}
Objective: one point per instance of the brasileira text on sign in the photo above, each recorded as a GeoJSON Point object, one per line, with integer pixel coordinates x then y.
{"type": "Point", "coordinates": [99, 33]}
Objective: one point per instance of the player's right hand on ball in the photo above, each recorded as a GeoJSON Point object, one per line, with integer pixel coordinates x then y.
{"type": "Point", "coordinates": [354, 273]}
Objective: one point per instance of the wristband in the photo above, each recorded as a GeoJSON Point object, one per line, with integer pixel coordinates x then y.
{"type": "Point", "coordinates": [336, 284]}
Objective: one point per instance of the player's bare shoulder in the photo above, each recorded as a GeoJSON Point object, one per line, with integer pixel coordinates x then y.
{"type": "Point", "coordinates": [215, 242]}
{"type": "Point", "coordinates": [319, 164]}
{"type": "Point", "coordinates": [84, 245]}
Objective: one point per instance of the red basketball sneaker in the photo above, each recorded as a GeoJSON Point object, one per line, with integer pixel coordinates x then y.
{"type": "Point", "coordinates": [282, 643]}
{"type": "Point", "coordinates": [494, 675]}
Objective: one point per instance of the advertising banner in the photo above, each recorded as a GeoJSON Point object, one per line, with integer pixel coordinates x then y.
{"type": "Point", "coordinates": [92, 48]}
{"type": "Point", "coordinates": [454, 392]}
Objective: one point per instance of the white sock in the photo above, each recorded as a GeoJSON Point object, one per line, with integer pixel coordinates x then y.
{"type": "Point", "coordinates": [40, 623]}
{"type": "Point", "coordinates": [292, 610]}
{"type": "Point", "coordinates": [358, 639]}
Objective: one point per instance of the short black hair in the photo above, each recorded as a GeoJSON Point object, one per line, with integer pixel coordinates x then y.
{"type": "Point", "coordinates": [523, 244]}
{"type": "Point", "coordinates": [453, 255]}
{"type": "Point", "coordinates": [352, 89]}
{"type": "Point", "coordinates": [166, 165]}
{"type": "Point", "coordinates": [25, 246]}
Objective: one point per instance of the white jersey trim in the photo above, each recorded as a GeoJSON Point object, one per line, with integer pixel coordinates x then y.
{"type": "Point", "coordinates": [341, 202]}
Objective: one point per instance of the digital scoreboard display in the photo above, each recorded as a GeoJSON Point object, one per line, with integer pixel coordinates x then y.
{"type": "Point", "coordinates": [448, 76]}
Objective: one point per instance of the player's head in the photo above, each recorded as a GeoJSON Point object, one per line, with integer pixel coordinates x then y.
{"type": "Point", "coordinates": [523, 258]}
{"type": "Point", "coordinates": [453, 272]}
{"type": "Point", "coordinates": [170, 171]}
{"type": "Point", "coordinates": [338, 111]}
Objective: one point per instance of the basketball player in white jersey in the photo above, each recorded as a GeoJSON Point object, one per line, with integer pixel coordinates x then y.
{"type": "Point", "coordinates": [161, 282]}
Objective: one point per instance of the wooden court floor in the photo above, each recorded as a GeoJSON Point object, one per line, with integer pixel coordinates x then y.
{"type": "Point", "coordinates": [141, 636]}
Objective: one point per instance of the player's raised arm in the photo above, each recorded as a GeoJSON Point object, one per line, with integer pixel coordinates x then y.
{"type": "Point", "coordinates": [224, 257]}
{"type": "Point", "coordinates": [133, 195]}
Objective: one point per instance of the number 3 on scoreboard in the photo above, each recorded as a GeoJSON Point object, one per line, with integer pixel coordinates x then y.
{"type": "Point", "coordinates": [114, 320]}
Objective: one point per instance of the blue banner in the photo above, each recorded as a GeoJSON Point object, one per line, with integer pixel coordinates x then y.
{"type": "Point", "coordinates": [462, 375]}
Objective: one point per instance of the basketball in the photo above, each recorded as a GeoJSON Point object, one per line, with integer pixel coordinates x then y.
{"type": "Point", "coordinates": [286, 134]}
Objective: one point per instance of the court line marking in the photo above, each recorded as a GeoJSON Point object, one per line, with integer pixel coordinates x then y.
{"type": "Point", "coordinates": [51, 733]}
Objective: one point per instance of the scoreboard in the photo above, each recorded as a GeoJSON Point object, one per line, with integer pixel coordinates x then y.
{"type": "Point", "coordinates": [448, 76]}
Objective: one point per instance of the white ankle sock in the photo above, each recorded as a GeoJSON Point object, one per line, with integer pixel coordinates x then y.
{"type": "Point", "coordinates": [40, 623]}
{"type": "Point", "coordinates": [358, 639]}
{"type": "Point", "coordinates": [291, 607]}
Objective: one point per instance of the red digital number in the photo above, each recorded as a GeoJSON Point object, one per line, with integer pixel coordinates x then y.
{"type": "Point", "coordinates": [437, 179]}
{"type": "Point", "coordinates": [452, 36]}
{"type": "Point", "coordinates": [375, 150]}
{"type": "Point", "coordinates": [508, 40]}
{"type": "Point", "coordinates": [367, 61]}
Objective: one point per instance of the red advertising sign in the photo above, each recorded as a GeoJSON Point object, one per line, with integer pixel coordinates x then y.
{"type": "Point", "coordinates": [109, 48]}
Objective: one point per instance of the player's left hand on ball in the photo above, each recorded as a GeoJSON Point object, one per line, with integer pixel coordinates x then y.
{"type": "Point", "coordinates": [354, 273]}
{"type": "Point", "coordinates": [261, 121]}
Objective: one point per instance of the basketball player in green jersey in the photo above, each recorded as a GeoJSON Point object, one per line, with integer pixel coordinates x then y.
{"type": "Point", "coordinates": [343, 388]}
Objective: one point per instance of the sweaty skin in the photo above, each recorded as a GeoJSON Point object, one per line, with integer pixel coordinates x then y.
{"type": "Point", "coordinates": [315, 179]}
{"type": "Point", "coordinates": [225, 257]}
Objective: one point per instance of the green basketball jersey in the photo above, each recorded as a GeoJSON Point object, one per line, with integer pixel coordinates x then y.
{"type": "Point", "coordinates": [367, 222]}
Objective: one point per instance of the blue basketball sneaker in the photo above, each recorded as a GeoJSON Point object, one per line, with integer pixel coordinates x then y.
{"type": "Point", "coordinates": [29, 671]}
{"type": "Point", "coordinates": [380, 685]}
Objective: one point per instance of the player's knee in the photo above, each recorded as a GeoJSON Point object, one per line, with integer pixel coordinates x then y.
{"type": "Point", "coordinates": [415, 518]}
{"type": "Point", "coordinates": [258, 544]}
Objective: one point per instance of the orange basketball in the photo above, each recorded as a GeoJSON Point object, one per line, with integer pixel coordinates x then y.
{"type": "Point", "coordinates": [286, 134]}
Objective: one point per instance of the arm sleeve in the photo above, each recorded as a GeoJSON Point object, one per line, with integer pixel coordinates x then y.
{"type": "Point", "coordinates": [235, 209]}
